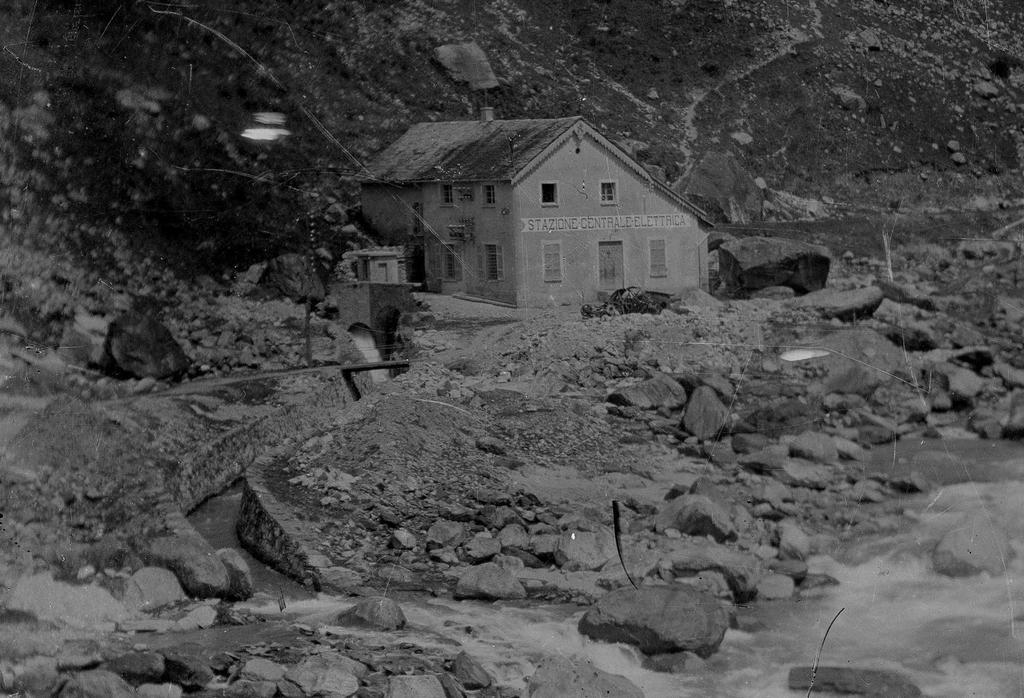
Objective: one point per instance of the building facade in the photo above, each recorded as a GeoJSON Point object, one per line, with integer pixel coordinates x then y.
{"type": "Point", "coordinates": [533, 212]}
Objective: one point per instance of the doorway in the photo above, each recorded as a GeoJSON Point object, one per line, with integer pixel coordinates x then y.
{"type": "Point", "coordinates": [610, 265]}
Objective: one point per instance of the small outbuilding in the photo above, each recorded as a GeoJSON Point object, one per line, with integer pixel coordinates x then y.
{"type": "Point", "coordinates": [533, 212]}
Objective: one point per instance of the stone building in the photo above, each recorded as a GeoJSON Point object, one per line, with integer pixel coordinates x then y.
{"type": "Point", "coordinates": [533, 212]}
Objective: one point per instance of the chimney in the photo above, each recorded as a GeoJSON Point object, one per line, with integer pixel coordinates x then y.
{"type": "Point", "coordinates": [486, 113]}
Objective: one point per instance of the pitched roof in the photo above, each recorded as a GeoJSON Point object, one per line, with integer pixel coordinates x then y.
{"type": "Point", "coordinates": [465, 150]}
{"type": "Point", "coordinates": [480, 150]}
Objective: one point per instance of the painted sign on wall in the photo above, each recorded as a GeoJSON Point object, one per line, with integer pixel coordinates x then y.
{"type": "Point", "coordinates": [643, 220]}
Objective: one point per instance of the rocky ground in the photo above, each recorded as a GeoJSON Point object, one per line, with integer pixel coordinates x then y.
{"type": "Point", "coordinates": [496, 469]}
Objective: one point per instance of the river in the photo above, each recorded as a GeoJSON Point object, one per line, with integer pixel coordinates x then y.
{"type": "Point", "coordinates": [952, 637]}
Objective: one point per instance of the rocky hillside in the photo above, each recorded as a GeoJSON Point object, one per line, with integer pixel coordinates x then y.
{"type": "Point", "coordinates": [122, 151]}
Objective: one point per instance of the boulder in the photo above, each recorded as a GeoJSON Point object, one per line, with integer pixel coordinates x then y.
{"type": "Point", "coordinates": [696, 515]}
{"type": "Point", "coordinates": [137, 667]}
{"type": "Point", "coordinates": [794, 544]}
{"type": "Point", "coordinates": [658, 619]}
{"type": "Point", "coordinates": [848, 99]}
{"type": "Point", "coordinates": [874, 683]}
{"type": "Point", "coordinates": [417, 686]}
{"type": "Point", "coordinates": [201, 572]}
{"type": "Point", "coordinates": [1014, 426]}
{"type": "Point", "coordinates": [705, 415]}
{"type": "Point", "coordinates": [814, 446]}
{"type": "Point", "coordinates": [904, 293]}
{"type": "Point", "coordinates": [488, 581]}
{"type": "Point", "coordinates": [140, 346]}
{"type": "Point", "coordinates": [262, 669]}
{"type": "Point", "coordinates": [187, 669]}
{"type": "Point", "coordinates": [758, 262]}
{"type": "Point", "coordinates": [96, 684]}
{"type": "Point", "coordinates": [584, 550]}
{"type": "Point", "coordinates": [466, 63]}
{"type": "Point", "coordinates": [378, 612]}
{"type": "Point", "coordinates": [326, 674]}
{"type": "Point", "coordinates": [152, 587]}
{"type": "Point", "coordinates": [964, 384]}
{"type": "Point", "coordinates": [847, 306]}
{"type": "Point", "coordinates": [240, 585]}
{"type": "Point", "coordinates": [775, 586]}
{"type": "Point", "coordinates": [75, 606]}
{"type": "Point", "coordinates": [976, 545]}
{"type": "Point", "coordinates": [858, 361]}
{"type": "Point", "coordinates": [749, 443]}
{"type": "Point", "coordinates": [443, 533]}
{"type": "Point", "coordinates": [83, 339]}
{"type": "Point", "coordinates": [561, 677]}
{"type": "Point", "coordinates": [658, 391]}
{"type": "Point", "coordinates": [741, 570]}
{"type": "Point", "coordinates": [295, 276]}
{"type": "Point", "coordinates": [481, 547]}
{"type": "Point", "coordinates": [470, 674]}
{"type": "Point", "coordinates": [789, 416]}
{"type": "Point", "coordinates": [725, 190]}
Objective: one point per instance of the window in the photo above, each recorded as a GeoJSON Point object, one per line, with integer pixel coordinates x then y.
{"type": "Point", "coordinates": [659, 266]}
{"type": "Point", "coordinates": [464, 193]}
{"type": "Point", "coordinates": [450, 264]}
{"type": "Point", "coordinates": [549, 193]}
{"type": "Point", "coordinates": [609, 193]}
{"type": "Point", "coordinates": [490, 195]}
{"type": "Point", "coordinates": [447, 195]}
{"type": "Point", "coordinates": [552, 252]}
{"type": "Point", "coordinates": [417, 218]}
{"type": "Point", "coordinates": [494, 264]}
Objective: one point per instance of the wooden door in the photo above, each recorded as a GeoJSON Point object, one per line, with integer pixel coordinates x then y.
{"type": "Point", "coordinates": [610, 265]}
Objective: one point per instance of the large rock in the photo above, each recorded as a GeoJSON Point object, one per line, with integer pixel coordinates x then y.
{"type": "Point", "coordinates": [417, 686]}
{"type": "Point", "coordinates": [488, 581]}
{"type": "Point", "coordinates": [295, 276]}
{"type": "Point", "coordinates": [325, 674]}
{"type": "Point", "coordinates": [859, 360]}
{"type": "Point", "coordinates": [378, 612]}
{"type": "Point", "coordinates": [445, 533]}
{"type": "Point", "coordinates": [976, 545]}
{"type": "Point", "coordinates": [467, 63]}
{"type": "Point", "coordinates": [83, 339]}
{"type": "Point", "coordinates": [725, 189]}
{"type": "Point", "coordinates": [152, 587]}
{"type": "Point", "coordinates": [76, 606]}
{"type": "Point", "coordinates": [696, 515]}
{"type": "Point", "coordinates": [470, 674]}
{"type": "Point", "coordinates": [795, 472]}
{"type": "Point", "coordinates": [843, 305]}
{"type": "Point", "coordinates": [741, 570]}
{"type": "Point", "coordinates": [1014, 426]}
{"type": "Point", "coordinates": [759, 262]}
{"type": "Point", "coordinates": [658, 619]}
{"type": "Point", "coordinates": [561, 677]}
{"type": "Point", "coordinates": [874, 683]}
{"type": "Point", "coordinates": [814, 446]}
{"type": "Point", "coordinates": [658, 391]}
{"type": "Point", "coordinates": [140, 346]}
{"type": "Point", "coordinates": [201, 572]}
{"type": "Point", "coordinates": [240, 585]}
{"type": "Point", "coordinates": [97, 684]}
{"type": "Point", "coordinates": [584, 550]}
{"type": "Point", "coordinates": [705, 415]}
{"type": "Point", "coordinates": [137, 667]}
{"type": "Point", "coordinates": [186, 668]}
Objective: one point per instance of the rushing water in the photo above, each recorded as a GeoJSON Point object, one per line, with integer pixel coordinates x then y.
{"type": "Point", "coordinates": [364, 341]}
{"type": "Point", "coordinates": [952, 637]}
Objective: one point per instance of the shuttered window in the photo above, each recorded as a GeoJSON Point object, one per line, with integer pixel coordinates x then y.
{"type": "Point", "coordinates": [452, 272]}
{"type": "Point", "coordinates": [494, 263]}
{"type": "Point", "coordinates": [659, 265]}
{"type": "Point", "coordinates": [552, 261]}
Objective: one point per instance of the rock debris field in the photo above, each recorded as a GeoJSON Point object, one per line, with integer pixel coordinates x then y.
{"type": "Point", "coordinates": [723, 441]}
